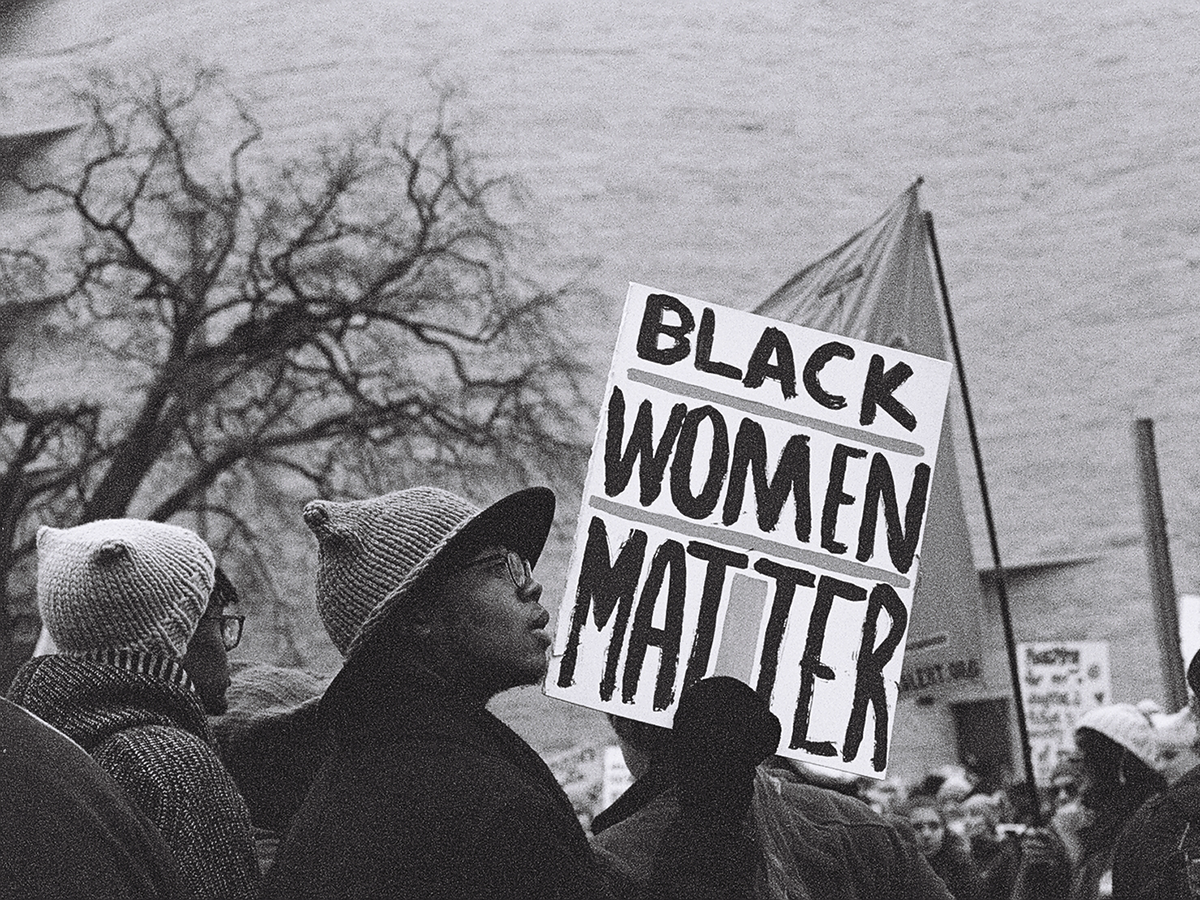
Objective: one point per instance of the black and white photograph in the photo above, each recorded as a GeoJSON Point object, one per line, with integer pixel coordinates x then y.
{"type": "Point", "coordinates": [599, 451]}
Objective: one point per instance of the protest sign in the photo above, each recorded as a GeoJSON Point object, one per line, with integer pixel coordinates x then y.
{"type": "Point", "coordinates": [580, 771]}
{"type": "Point", "coordinates": [1060, 681]}
{"type": "Point", "coordinates": [591, 775]}
{"type": "Point", "coordinates": [754, 506]}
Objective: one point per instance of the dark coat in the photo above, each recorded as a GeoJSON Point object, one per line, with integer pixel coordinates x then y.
{"type": "Point", "coordinates": [997, 861]}
{"type": "Point", "coordinates": [820, 843]}
{"type": "Point", "coordinates": [68, 829]}
{"type": "Point", "coordinates": [1152, 854]}
{"type": "Point", "coordinates": [138, 717]}
{"type": "Point", "coordinates": [428, 795]}
{"type": "Point", "coordinates": [954, 865]}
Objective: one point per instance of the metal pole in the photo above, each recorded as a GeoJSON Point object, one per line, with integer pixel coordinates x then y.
{"type": "Point", "coordinates": [1158, 556]}
{"type": "Point", "coordinates": [998, 567]}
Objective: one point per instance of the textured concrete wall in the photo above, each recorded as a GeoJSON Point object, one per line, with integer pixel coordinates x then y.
{"type": "Point", "coordinates": [713, 148]}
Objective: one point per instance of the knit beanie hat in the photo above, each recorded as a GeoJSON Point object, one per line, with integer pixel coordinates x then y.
{"type": "Point", "coordinates": [1126, 725]}
{"type": "Point", "coordinates": [122, 584]}
{"type": "Point", "coordinates": [372, 553]}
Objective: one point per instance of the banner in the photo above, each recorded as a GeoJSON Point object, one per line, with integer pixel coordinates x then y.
{"type": "Point", "coordinates": [754, 506]}
{"type": "Point", "coordinates": [1060, 681]}
{"type": "Point", "coordinates": [877, 287]}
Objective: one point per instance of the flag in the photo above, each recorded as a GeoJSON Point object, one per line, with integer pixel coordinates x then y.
{"type": "Point", "coordinates": [878, 287]}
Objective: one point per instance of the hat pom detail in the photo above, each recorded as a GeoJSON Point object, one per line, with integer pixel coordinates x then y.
{"type": "Point", "coordinates": [333, 536]}
{"type": "Point", "coordinates": [111, 553]}
{"type": "Point", "coordinates": [118, 584]}
{"type": "Point", "coordinates": [316, 517]}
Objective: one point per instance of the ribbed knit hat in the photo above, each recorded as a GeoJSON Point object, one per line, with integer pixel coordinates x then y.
{"type": "Point", "coordinates": [122, 583]}
{"type": "Point", "coordinates": [1126, 725]}
{"type": "Point", "coordinates": [371, 553]}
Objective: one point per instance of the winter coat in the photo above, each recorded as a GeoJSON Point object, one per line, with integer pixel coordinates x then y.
{"type": "Point", "coordinates": [954, 865]}
{"type": "Point", "coordinates": [1052, 875]}
{"type": "Point", "coordinates": [656, 780]}
{"type": "Point", "coordinates": [1152, 854]}
{"type": "Point", "coordinates": [68, 829]}
{"type": "Point", "coordinates": [428, 795]}
{"type": "Point", "coordinates": [996, 860]}
{"type": "Point", "coordinates": [139, 718]}
{"type": "Point", "coordinates": [812, 842]}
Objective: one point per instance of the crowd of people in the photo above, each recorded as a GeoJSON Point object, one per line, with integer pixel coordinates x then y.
{"type": "Point", "coordinates": [133, 765]}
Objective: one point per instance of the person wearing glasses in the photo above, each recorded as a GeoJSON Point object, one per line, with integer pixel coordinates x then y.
{"type": "Point", "coordinates": [434, 605]}
{"type": "Point", "coordinates": [207, 657]}
{"type": "Point", "coordinates": [122, 600]}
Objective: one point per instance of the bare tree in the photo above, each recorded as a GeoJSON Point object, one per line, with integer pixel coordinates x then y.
{"type": "Point", "coordinates": [267, 330]}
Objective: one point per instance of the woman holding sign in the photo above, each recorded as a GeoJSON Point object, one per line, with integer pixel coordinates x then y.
{"type": "Point", "coordinates": [427, 794]}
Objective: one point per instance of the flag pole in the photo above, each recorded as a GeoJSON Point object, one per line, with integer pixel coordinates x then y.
{"type": "Point", "coordinates": [998, 567]}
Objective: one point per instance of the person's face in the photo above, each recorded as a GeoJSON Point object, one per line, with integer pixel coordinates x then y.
{"type": "Point", "coordinates": [496, 628]}
{"type": "Point", "coordinates": [1090, 784]}
{"type": "Point", "coordinates": [927, 825]}
{"type": "Point", "coordinates": [977, 818]}
{"type": "Point", "coordinates": [1064, 789]}
{"type": "Point", "coordinates": [882, 797]}
{"type": "Point", "coordinates": [207, 662]}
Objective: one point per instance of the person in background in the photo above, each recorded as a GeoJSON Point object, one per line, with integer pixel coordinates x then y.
{"type": "Point", "coordinates": [946, 851]}
{"type": "Point", "coordinates": [68, 829]}
{"type": "Point", "coordinates": [433, 603]}
{"type": "Point", "coordinates": [712, 816]}
{"type": "Point", "coordinates": [1157, 856]}
{"type": "Point", "coordinates": [886, 796]}
{"type": "Point", "coordinates": [951, 793]}
{"type": "Point", "coordinates": [995, 858]}
{"type": "Point", "coordinates": [1118, 756]}
{"type": "Point", "coordinates": [1064, 782]}
{"type": "Point", "coordinates": [1175, 734]}
{"type": "Point", "coordinates": [122, 598]}
{"type": "Point", "coordinates": [207, 657]}
{"type": "Point", "coordinates": [273, 744]}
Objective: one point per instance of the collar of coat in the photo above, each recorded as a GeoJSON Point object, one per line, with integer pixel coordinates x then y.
{"type": "Point", "coordinates": [94, 696]}
{"type": "Point", "coordinates": [162, 668]}
{"type": "Point", "coordinates": [401, 700]}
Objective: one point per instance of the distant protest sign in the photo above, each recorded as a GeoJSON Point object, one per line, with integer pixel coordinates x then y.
{"type": "Point", "coordinates": [754, 507]}
{"type": "Point", "coordinates": [1060, 681]}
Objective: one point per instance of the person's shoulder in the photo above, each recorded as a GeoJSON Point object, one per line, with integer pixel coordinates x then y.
{"type": "Point", "coordinates": [430, 770]}
{"type": "Point", "coordinates": [1186, 789]}
{"type": "Point", "coordinates": [820, 805]}
{"type": "Point", "coordinates": [1179, 803]}
{"type": "Point", "coordinates": [173, 759]}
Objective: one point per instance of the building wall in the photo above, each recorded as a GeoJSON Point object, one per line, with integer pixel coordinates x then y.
{"type": "Point", "coordinates": [715, 149]}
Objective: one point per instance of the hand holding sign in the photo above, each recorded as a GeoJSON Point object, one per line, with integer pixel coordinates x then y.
{"type": "Point", "coordinates": [755, 501]}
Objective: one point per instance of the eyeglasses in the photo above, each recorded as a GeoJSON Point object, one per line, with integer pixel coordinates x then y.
{"type": "Point", "coordinates": [519, 569]}
{"type": "Point", "coordinates": [231, 629]}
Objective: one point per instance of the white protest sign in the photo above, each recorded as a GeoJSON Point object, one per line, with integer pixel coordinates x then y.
{"type": "Point", "coordinates": [617, 777]}
{"type": "Point", "coordinates": [1060, 681]}
{"type": "Point", "coordinates": [754, 507]}
{"type": "Point", "coordinates": [580, 771]}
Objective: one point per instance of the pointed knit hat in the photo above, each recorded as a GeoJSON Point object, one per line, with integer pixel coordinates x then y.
{"type": "Point", "coordinates": [372, 553]}
{"type": "Point", "coordinates": [122, 584]}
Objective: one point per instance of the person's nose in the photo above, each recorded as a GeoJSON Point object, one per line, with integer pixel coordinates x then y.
{"type": "Point", "coordinates": [532, 592]}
